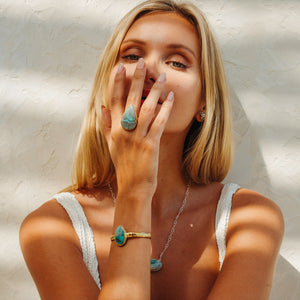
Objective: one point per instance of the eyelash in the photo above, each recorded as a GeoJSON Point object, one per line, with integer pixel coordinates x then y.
{"type": "Point", "coordinates": [175, 64]}
{"type": "Point", "coordinates": [179, 65]}
{"type": "Point", "coordinates": [132, 57]}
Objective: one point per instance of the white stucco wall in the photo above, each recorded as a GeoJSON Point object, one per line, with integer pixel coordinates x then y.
{"type": "Point", "coordinates": [49, 50]}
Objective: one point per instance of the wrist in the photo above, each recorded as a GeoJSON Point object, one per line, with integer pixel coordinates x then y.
{"type": "Point", "coordinates": [133, 213]}
{"type": "Point", "coordinates": [121, 235]}
{"type": "Point", "coordinates": [133, 197]}
{"type": "Point", "coordinates": [136, 189]}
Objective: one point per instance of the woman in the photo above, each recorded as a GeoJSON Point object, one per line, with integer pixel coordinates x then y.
{"type": "Point", "coordinates": [154, 148]}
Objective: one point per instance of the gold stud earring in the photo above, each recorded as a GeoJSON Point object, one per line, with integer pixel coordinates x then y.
{"type": "Point", "coordinates": [200, 116]}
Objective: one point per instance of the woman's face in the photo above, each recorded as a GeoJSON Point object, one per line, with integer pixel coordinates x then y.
{"type": "Point", "coordinates": [168, 43]}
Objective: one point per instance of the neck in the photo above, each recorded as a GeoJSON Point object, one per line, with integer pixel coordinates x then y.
{"type": "Point", "coordinates": [171, 182]}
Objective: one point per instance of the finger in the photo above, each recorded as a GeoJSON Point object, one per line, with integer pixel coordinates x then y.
{"type": "Point", "coordinates": [148, 107]}
{"type": "Point", "coordinates": [137, 85]}
{"type": "Point", "coordinates": [159, 124]}
{"type": "Point", "coordinates": [116, 100]}
{"type": "Point", "coordinates": [106, 122]}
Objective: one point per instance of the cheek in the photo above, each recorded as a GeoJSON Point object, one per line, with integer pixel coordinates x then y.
{"type": "Point", "coordinates": [187, 90]}
{"type": "Point", "coordinates": [188, 93]}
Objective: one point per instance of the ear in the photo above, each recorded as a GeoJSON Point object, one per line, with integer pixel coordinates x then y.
{"type": "Point", "coordinates": [200, 116]}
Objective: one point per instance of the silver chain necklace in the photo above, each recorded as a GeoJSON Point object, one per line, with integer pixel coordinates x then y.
{"type": "Point", "coordinates": [156, 264]}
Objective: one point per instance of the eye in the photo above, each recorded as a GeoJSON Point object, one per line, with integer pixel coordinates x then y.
{"type": "Point", "coordinates": [131, 57]}
{"type": "Point", "coordinates": [177, 64]}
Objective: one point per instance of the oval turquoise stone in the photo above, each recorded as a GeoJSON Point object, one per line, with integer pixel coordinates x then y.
{"type": "Point", "coordinates": [120, 236]}
{"type": "Point", "coordinates": [156, 265]}
{"type": "Point", "coordinates": [128, 120]}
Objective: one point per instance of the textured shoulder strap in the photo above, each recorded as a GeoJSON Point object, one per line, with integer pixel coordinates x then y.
{"type": "Point", "coordinates": [69, 202]}
{"type": "Point", "coordinates": [222, 218]}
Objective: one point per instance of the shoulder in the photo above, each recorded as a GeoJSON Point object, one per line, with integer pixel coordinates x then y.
{"type": "Point", "coordinates": [255, 221]}
{"type": "Point", "coordinates": [254, 236]}
{"type": "Point", "coordinates": [50, 211]}
{"type": "Point", "coordinates": [251, 207]}
{"type": "Point", "coordinates": [52, 251]}
{"type": "Point", "coordinates": [51, 221]}
{"type": "Point", "coordinates": [47, 223]}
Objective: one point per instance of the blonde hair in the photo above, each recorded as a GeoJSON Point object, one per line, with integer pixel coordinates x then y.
{"type": "Point", "coordinates": [208, 148]}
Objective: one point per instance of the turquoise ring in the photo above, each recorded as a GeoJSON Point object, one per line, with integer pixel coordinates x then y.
{"type": "Point", "coordinates": [129, 119]}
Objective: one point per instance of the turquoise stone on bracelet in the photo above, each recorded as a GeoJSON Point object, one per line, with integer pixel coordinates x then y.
{"type": "Point", "coordinates": [120, 236]}
{"type": "Point", "coordinates": [156, 265]}
{"type": "Point", "coordinates": [128, 120]}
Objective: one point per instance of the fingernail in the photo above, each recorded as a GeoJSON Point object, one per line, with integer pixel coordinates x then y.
{"type": "Point", "coordinates": [162, 77]}
{"type": "Point", "coordinates": [141, 63]}
{"type": "Point", "coordinates": [170, 96]}
{"type": "Point", "coordinates": [120, 68]}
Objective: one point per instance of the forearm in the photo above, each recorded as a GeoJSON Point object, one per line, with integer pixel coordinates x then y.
{"type": "Point", "coordinates": [128, 274]}
{"type": "Point", "coordinates": [135, 157]}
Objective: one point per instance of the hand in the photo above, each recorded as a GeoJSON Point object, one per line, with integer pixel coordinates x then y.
{"type": "Point", "coordinates": [135, 153]}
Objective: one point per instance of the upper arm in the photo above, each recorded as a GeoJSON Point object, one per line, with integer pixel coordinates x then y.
{"type": "Point", "coordinates": [52, 253]}
{"type": "Point", "coordinates": [253, 237]}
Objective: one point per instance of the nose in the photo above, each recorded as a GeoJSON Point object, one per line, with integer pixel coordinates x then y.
{"type": "Point", "coordinates": [152, 72]}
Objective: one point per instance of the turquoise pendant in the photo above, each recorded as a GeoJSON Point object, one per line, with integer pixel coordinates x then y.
{"type": "Point", "coordinates": [128, 120]}
{"type": "Point", "coordinates": [156, 265]}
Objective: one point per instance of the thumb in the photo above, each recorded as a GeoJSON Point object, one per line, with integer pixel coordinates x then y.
{"type": "Point", "coordinates": [106, 122]}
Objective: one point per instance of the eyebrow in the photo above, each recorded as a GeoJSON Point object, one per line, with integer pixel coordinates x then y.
{"type": "Point", "coordinates": [180, 46]}
{"type": "Point", "coordinates": [133, 41]}
{"type": "Point", "coordinates": [169, 46]}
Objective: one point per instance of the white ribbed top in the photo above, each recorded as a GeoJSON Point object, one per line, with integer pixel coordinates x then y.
{"type": "Point", "coordinates": [86, 236]}
{"type": "Point", "coordinates": [222, 218]}
{"type": "Point", "coordinates": [83, 230]}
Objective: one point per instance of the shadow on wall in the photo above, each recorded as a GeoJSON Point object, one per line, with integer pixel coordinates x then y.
{"type": "Point", "coordinates": [248, 168]}
{"type": "Point", "coordinates": [286, 284]}
{"type": "Point", "coordinates": [249, 171]}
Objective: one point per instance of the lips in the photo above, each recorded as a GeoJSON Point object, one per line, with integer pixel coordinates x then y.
{"type": "Point", "coordinates": [145, 95]}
